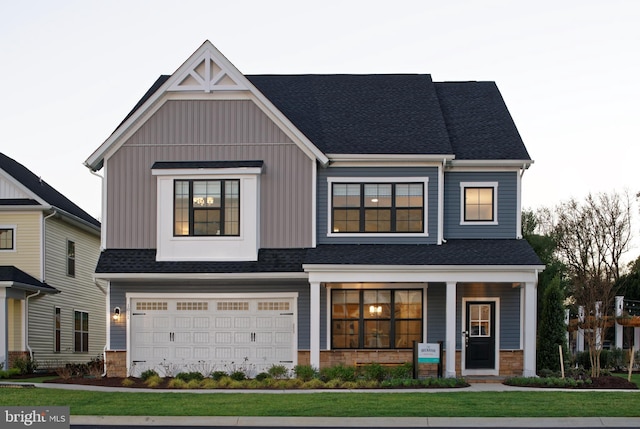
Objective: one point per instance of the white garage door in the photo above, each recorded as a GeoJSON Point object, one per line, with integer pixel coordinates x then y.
{"type": "Point", "coordinates": [211, 334]}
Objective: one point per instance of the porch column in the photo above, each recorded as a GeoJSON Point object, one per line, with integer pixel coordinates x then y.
{"type": "Point", "coordinates": [4, 330]}
{"type": "Point", "coordinates": [314, 325]}
{"type": "Point", "coordinates": [619, 310]}
{"type": "Point", "coordinates": [450, 330]}
{"type": "Point", "coordinates": [529, 364]}
{"type": "Point", "coordinates": [580, 337]}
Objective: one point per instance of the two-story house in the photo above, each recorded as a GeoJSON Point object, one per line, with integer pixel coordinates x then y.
{"type": "Point", "coordinates": [51, 310]}
{"type": "Point", "coordinates": [315, 219]}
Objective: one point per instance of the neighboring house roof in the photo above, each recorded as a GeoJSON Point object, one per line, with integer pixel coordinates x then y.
{"type": "Point", "coordinates": [144, 261]}
{"type": "Point", "coordinates": [42, 190]}
{"type": "Point", "coordinates": [453, 253]}
{"type": "Point", "coordinates": [21, 280]}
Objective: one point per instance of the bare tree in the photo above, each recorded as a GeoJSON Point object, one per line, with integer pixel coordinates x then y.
{"type": "Point", "coordinates": [591, 238]}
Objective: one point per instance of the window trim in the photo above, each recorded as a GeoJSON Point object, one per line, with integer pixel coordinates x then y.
{"type": "Point", "coordinates": [71, 260]}
{"type": "Point", "coordinates": [191, 209]}
{"type": "Point", "coordinates": [466, 185]}
{"type": "Point", "coordinates": [83, 344]}
{"type": "Point", "coordinates": [57, 329]}
{"type": "Point", "coordinates": [378, 180]}
{"type": "Point", "coordinates": [13, 230]}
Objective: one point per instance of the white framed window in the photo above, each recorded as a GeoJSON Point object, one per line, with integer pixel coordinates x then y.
{"type": "Point", "coordinates": [57, 329]}
{"type": "Point", "coordinates": [71, 258]}
{"type": "Point", "coordinates": [478, 203]}
{"type": "Point", "coordinates": [80, 331]}
{"type": "Point", "coordinates": [377, 206]}
{"type": "Point", "coordinates": [7, 238]}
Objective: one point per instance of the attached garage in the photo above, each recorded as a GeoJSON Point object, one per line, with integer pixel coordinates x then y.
{"type": "Point", "coordinates": [216, 332]}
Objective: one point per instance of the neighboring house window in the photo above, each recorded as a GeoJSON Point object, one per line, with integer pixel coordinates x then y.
{"type": "Point", "coordinates": [377, 208]}
{"type": "Point", "coordinates": [375, 319]}
{"type": "Point", "coordinates": [7, 239]}
{"type": "Point", "coordinates": [71, 258]}
{"type": "Point", "coordinates": [81, 331]}
{"type": "Point", "coordinates": [57, 319]}
{"type": "Point", "coordinates": [479, 203]}
{"type": "Point", "coordinates": [206, 207]}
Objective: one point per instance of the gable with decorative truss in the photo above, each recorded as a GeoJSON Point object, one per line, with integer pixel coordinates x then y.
{"type": "Point", "coordinates": [206, 74]}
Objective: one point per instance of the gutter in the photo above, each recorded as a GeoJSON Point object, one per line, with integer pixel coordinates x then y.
{"type": "Point", "coordinates": [44, 245]}
{"type": "Point", "coordinates": [26, 323]}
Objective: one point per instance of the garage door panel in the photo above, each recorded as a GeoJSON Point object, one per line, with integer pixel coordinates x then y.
{"type": "Point", "coordinates": [242, 322]}
{"type": "Point", "coordinates": [223, 353]}
{"type": "Point", "coordinates": [202, 353]}
{"type": "Point", "coordinates": [223, 322]}
{"type": "Point", "coordinates": [264, 322]}
{"type": "Point", "coordinates": [282, 338]}
{"type": "Point", "coordinates": [183, 322]}
{"type": "Point", "coordinates": [201, 337]}
{"type": "Point", "coordinates": [201, 322]}
{"type": "Point", "coordinates": [240, 353]}
{"type": "Point", "coordinates": [224, 337]}
{"type": "Point", "coordinates": [161, 322]}
{"type": "Point", "coordinates": [183, 352]}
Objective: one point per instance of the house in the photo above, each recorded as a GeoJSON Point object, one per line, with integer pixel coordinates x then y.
{"type": "Point", "coordinates": [263, 220]}
{"type": "Point", "coordinates": [51, 310]}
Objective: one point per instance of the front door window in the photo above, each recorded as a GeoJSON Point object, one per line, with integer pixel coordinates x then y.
{"type": "Point", "coordinates": [480, 335]}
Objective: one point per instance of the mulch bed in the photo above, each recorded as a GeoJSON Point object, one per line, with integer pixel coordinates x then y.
{"type": "Point", "coordinates": [605, 382]}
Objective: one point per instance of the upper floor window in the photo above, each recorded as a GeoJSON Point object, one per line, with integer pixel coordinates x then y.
{"type": "Point", "coordinates": [377, 207]}
{"type": "Point", "coordinates": [479, 203]}
{"type": "Point", "coordinates": [206, 207]}
{"type": "Point", "coordinates": [375, 319]}
{"type": "Point", "coordinates": [71, 258]}
{"type": "Point", "coordinates": [7, 241]}
{"type": "Point", "coordinates": [57, 329]}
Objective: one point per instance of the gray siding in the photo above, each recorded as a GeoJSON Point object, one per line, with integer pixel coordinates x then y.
{"type": "Point", "coordinates": [324, 198]}
{"type": "Point", "coordinates": [119, 290]}
{"type": "Point", "coordinates": [509, 311]}
{"type": "Point", "coordinates": [209, 130]}
{"type": "Point", "coordinates": [507, 206]}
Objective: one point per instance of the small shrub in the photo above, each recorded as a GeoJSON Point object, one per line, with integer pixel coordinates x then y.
{"type": "Point", "coordinates": [12, 372]}
{"type": "Point", "coordinates": [236, 384]}
{"type": "Point", "coordinates": [374, 371]}
{"type": "Point", "coordinates": [208, 383]}
{"type": "Point", "coordinates": [294, 383]}
{"type": "Point", "coordinates": [278, 371]}
{"type": "Point", "coordinates": [217, 375]}
{"type": "Point", "coordinates": [314, 383]}
{"type": "Point", "coordinates": [64, 372]}
{"type": "Point", "coordinates": [338, 372]}
{"type": "Point", "coordinates": [349, 385]}
{"type": "Point", "coordinates": [190, 376]}
{"type": "Point", "coordinates": [148, 373]}
{"type": "Point", "coordinates": [402, 371]}
{"type": "Point", "coordinates": [263, 375]}
{"type": "Point", "coordinates": [177, 383]}
{"type": "Point", "coordinates": [224, 382]}
{"type": "Point", "coordinates": [238, 375]}
{"type": "Point", "coordinates": [127, 382]}
{"type": "Point", "coordinates": [193, 384]}
{"type": "Point", "coordinates": [305, 372]}
{"type": "Point", "coordinates": [25, 365]}
{"type": "Point", "coordinates": [367, 384]}
{"type": "Point", "coordinates": [153, 381]}
{"type": "Point", "coordinates": [334, 383]}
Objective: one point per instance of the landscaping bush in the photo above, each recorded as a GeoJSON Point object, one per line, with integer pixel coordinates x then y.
{"type": "Point", "coordinates": [153, 380]}
{"type": "Point", "coordinates": [190, 376]}
{"type": "Point", "coordinates": [305, 372]}
{"type": "Point", "coordinates": [238, 375]}
{"type": "Point", "coordinates": [374, 372]}
{"type": "Point", "coordinates": [217, 375]}
{"type": "Point", "coordinates": [262, 376]}
{"type": "Point", "coordinates": [314, 383]}
{"type": "Point", "coordinates": [12, 372]}
{"type": "Point", "coordinates": [338, 372]}
{"type": "Point", "coordinates": [402, 371]}
{"type": "Point", "coordinates": [278, 371]}
{"type": "Point", "coordinates": [25, 365]}
{"type": "Point", "coordinates": [147, 374]}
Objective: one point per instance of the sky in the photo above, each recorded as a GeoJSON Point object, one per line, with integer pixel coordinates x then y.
{"type": "Point", "coordinates": [569, 72]}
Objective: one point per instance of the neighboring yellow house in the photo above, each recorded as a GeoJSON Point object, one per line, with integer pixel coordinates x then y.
{"type": "Point", "coordinates": [51, 309]}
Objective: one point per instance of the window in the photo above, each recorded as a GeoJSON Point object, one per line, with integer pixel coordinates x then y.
{"type": "Point", "coordinates": [375, 319]}
{"type": "Point", "coordinates": [206, 207]}
{"type": "Point", "coordinates": [71, 258]}
{"type": "Point", "coordinates": [377, 208]}
{"type": "Point", "coordinates": [57, 329]}
{"type": "Point", "coordinates": [6, 239]}
{"type": "Point", "coordinates": [81, 331]}
{"type": "Point", "coordinates": [479, 203]}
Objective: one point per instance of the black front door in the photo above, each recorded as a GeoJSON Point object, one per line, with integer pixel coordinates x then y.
{"type": "Point", "coordinates": [480, 335]}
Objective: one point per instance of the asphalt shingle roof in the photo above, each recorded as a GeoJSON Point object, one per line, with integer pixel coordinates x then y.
{"type": "Point", "coordinates": [42, 189]}
{"type": "Point", "coordinates": [9, 273]}
{"type": "Point", "coordinates": [454, 252]}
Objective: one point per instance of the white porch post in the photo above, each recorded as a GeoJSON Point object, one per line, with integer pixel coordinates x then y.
{"type": "Point", "coordinates": [450, 343]}
{"type": "Point", "coordinates": [314, 325]}
{"type": "Point", "coordinates": [4, 330]}
{"type": "Point", "coordinates": [619, 310]}
{"type": "Point", "coordinates": [530, 300]}
{"type": "Point", "coordinates": [580, 338]}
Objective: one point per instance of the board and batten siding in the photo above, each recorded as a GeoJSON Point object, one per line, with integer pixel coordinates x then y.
{"type": "Point", "coordinates": [323, 198]}
{"type": "Point", "coordinates": [76, 293]}
{"type": "Point", "coordinates": [209, 130]}
{"type": "Point", "coordinates": [507, 206]}
{"type": "Point", "coordinates": [28, 254]}
{"type": "Point", "coordinates": [175, 290]}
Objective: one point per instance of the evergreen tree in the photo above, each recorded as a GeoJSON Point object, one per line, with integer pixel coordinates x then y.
{"type": "Point", "coordinates": [552, 329]}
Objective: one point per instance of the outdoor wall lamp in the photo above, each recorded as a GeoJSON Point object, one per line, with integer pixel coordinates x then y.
{"type": "Point", "coordinates": [116, 314]}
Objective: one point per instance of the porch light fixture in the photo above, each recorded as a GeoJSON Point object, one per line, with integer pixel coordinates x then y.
{"type": "Point", "coordinates": [116, 314]}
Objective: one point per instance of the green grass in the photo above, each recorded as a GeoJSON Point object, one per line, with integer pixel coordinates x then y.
{"type": "Point", "coordinates": [438, 404]}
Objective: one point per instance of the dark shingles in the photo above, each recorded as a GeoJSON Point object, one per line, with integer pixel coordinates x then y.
{"type": "Point", "coordinates": [144, 261]}
{"type": "Point", "coordinates": [9, 273]}
{"type": "Point", "coordinates": [361, 114]}
{"type": "Point", "coordinates": [478, 122]}
{"type": "Point", "coordinates": [43, 190]}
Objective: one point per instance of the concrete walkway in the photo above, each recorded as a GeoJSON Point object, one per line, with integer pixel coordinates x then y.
{"type": "Point", "coordinates": [369, 422]}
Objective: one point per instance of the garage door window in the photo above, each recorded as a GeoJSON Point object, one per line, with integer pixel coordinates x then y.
{"type": "Point", "coordinates": [151, 305]}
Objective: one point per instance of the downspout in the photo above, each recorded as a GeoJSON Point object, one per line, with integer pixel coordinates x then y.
{"type": "Point", "coordinates": [519, 203]}
{"type": "Point", "coordinates": [108, 323]}
{"type": "Point", "coordinates": [26, 323]}
{"type": "Point", "coordinates": [102, 210]}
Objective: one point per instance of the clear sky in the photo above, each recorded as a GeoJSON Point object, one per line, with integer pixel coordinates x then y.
{"type": "Point", "coordinates": [569, 72]}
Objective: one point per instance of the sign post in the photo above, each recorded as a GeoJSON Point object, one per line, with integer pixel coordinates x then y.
{"type": "Point", "coordinates": [427, 353]}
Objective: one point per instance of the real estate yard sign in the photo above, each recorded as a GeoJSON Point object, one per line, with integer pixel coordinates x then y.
{"type": "Point", "coordinates": [428, 353]}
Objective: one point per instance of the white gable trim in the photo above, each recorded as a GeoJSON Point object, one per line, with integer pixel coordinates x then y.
{"type": "Point", "coordinates": [196, 77]}
{"type": "Point", "coordinates": [19, 190]}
